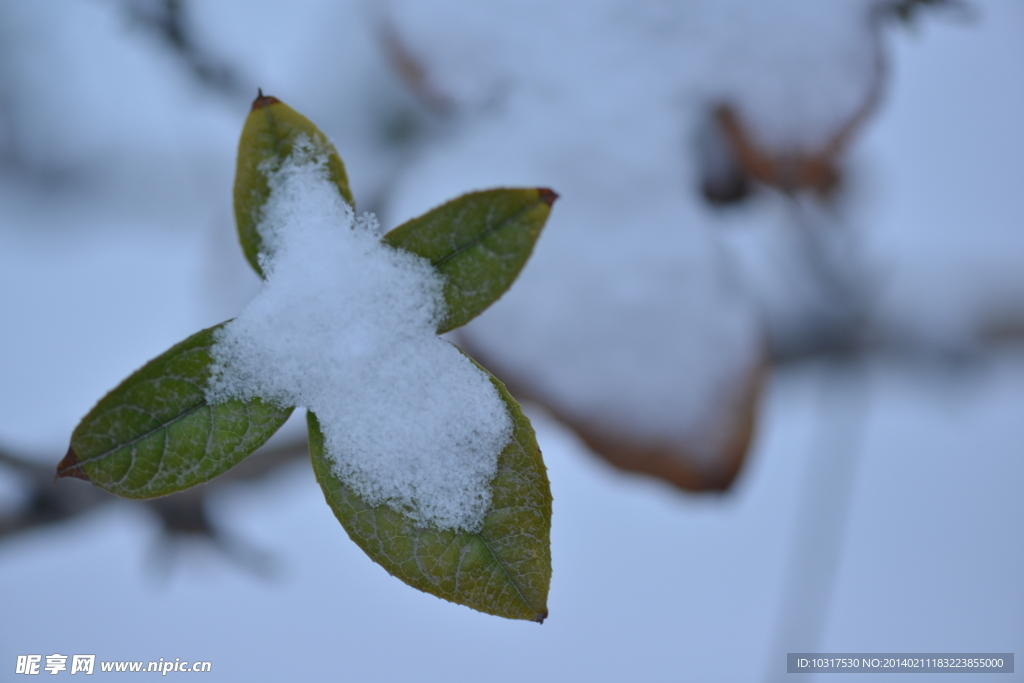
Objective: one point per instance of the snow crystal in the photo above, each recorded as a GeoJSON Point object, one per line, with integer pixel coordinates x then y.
{"type": "Point", "coordinates": [346, 326]}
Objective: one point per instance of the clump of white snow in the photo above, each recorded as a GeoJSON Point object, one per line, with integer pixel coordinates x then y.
{"type": "Point", "coordinates": [346, 326]}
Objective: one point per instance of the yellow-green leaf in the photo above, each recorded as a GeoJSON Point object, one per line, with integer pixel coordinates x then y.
{"type": "Point", "coordinates": [504, 569]}
{"type": "Point", "coordinates": [268, 138]}
{"type": "Point", "coordinates": [156, 434]}
{"type": "Point", "coordinates": [479, 242]}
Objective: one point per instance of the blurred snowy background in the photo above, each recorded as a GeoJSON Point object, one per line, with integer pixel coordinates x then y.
{"type": "Point", "coordinates": [806, 214]}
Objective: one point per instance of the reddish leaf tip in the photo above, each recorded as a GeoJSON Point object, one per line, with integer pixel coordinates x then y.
{"type": "Point", "coordinates": [70, 467]}
{"type": "Point", "coordinates": [547, 195]}
{"type": "Point", "coordinates": [541, 616]}
{"type": "Point", "coordinates": [262, 100]}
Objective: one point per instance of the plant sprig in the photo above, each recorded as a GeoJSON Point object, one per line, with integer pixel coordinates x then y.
{"type": "Point", "coordinates": [156, 433]}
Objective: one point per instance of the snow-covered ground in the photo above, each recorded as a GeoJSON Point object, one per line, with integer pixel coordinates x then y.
{"type": "Point", "coordinates": [926, 555]}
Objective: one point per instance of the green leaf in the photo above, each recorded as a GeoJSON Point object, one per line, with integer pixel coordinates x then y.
{"type": "Point", "coordinates": [503, 569]}
{"type": "Point", "coordinates": [268, 137]}
{"type": "Point", "coordinates": [479, 242]}
{"type": "Point", "coordinates": [156, 434]}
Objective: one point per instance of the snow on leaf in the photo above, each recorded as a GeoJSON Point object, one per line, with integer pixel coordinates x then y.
{"type": "Point", "coordinates": [346, 326]}
{"type": "Point", "coordinates": [402, 424]}
{"type": "Point", "coordinates": [479, 242]}
{"type": "Point", "coordinates": [156, 433]}
{"type": "Point", "coordinates": [271, 132]}
{"type": "Point", "coordinates": [504, 568]}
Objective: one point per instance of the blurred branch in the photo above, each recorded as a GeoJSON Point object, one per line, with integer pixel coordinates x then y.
{"type": "Point", "coordinates": [412, 71]}
{"type": "Point", "coordinates": [168, 20]}
{"type": "Point", "coordinates": [909, 11]}
{"type": "Point", "coordinates": [47, 502]}
{"type": "Point", "coordinates": [823, 509]}
{"type": "Point", "coordinates": [52, 501]}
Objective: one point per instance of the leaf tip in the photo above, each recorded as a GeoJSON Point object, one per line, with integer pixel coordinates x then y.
{"type": "Point", "coordinates": [70, 467]}
{"type": "Point", "coordinates": [539, 617]}
{"type": "Point", "coordinates": [262, 100]}
{"type": "Point", "coordinates": [547, 195]}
